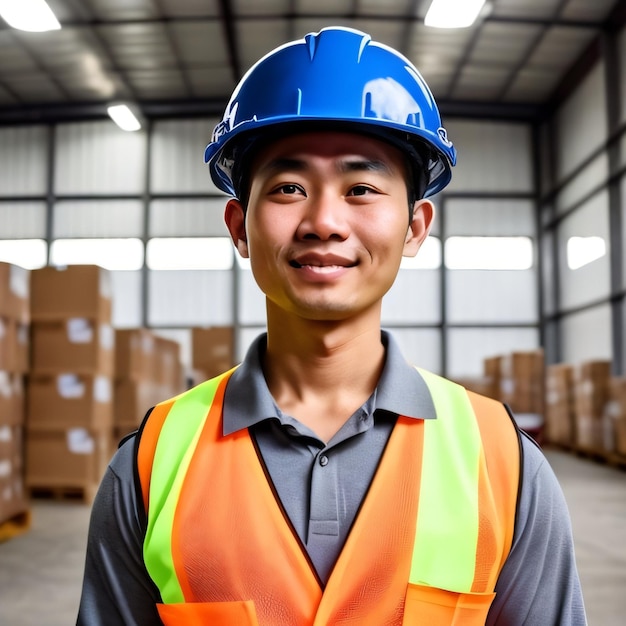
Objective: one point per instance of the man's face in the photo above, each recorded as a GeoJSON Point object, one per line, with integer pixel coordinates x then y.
{"type": "Point", "coordinates": [327, 223]}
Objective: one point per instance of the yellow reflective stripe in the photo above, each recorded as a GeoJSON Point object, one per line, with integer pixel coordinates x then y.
{"type": "Point", "coordinates": [444, 552]}
{"type": "Point", "coordinates": [175, 448]}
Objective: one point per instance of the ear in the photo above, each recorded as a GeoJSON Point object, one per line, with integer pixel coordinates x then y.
{"type": "Point", "coordinates": [423, 217]}
{"type": "Point", "coordinates": [235, 219]}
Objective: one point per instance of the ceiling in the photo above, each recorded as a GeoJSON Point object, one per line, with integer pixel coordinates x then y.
{"type": "Point", "coordinates": [183, 57]}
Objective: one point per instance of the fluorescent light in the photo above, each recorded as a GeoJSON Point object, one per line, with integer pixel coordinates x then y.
{"type": "Point", "coordinates": [123, 117]}
{"type": "Point", "coordinates": [32, 15]}
{"type": "Point", "coordinates": [453, 13]}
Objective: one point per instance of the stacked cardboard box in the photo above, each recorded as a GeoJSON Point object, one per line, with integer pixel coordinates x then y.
{"type": "Point", "coordinates": [492, 372]}
{"type": "Point", "coordinates": [591, 394]}
{"type": "Point", "coordinates": [212, 350]}
{"type": "Point", "coordinates": [14, 320]}
{"type": "Point", "coordinates": [614, 418]}
{"type": "Point", "coordinates": [69, 395]}
{"type": "Point", "coordinates": [148, 370]}
{"type": "Point", "coordinates": [522, 387]}
{"type": "Point", "coordinates": [560, 423]}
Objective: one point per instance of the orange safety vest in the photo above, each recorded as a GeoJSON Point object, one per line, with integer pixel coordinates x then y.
{"type": "Point", "coordinates": [427, 546]}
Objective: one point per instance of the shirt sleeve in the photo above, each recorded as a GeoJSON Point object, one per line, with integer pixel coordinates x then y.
{"type": "Point", "coordinates": [117, 590]}
{"type": "Point", "coordinates": [539, 581]}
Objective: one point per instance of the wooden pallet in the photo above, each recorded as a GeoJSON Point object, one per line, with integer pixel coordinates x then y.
{"type": "Point", "coordinates": [84, 493]}
{"type": "Point", "coordinates": [15, 525]}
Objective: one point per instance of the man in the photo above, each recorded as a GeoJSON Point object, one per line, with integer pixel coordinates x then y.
{"type": "Point", "coordinates": [325, 481]}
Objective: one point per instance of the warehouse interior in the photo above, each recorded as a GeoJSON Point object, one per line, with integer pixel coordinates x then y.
{"type": "Point", "coordinates": [119, 285]}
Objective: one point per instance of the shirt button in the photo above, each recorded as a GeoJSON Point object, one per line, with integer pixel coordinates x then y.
{"type": "Point", "coordinates": [323, 461]}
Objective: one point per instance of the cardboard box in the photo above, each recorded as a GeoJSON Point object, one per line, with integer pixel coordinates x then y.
{"type": "Point", "coordinates": [76, 344]}
{"type": "Point", "coordinates": [135, 354]}
{"type": "Point", "coordinates": [168, 367]}
{"type": "Point", "coordinates": [14, 292]}
{"type": "Point", "coordinates": [72, 291]}
{"type": "Point", "coordinates": [12, 409]}
{"type": "Point", "coordinates": [69, 400]}
{"type": "Point", "coordinates": [560, 421]}
{"type": "Point", "coordinates": [614, 415]}
{"type": "Point", "coordinates": [213, 349]}
{"type": "Point", "coordinates": [522, 383]}
{"type": "Point", "coordinates": [74, 457]}
{"type": "Point", "coordinates": [14, 345]}
{"type": "Point", "coordinates": [132, 400]}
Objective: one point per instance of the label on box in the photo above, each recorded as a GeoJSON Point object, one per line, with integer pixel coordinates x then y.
{"type": "Point", "coordinates": [18, 281]}
{"type": "Point", "coordinates": [70, 386]}
{"type": "Point", "coordinates": [107, 336]}
{"type": "Point", "coordinates": [5, 468]}
{"type": "Point", "coordinates": [5, 434]}
{"type": "Point", "coordinates": [102, 389]}
{"type": "Point", "coordinates": [79, 330]}
{"type": "Point", "coordinates": [79, 441]}
{"type": "Point", "coordinates": [147, 344]}
{"type": "Point", "coordinates": [613, 408]}
{"type": "Point", "coordinates": [6, 389]}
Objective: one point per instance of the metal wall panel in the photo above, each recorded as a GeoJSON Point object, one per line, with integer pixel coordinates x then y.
{"type": "Point", "coordinates": [468, 347]}
{"type": "Point", "coordinates": [585, 181]}
{"type": "Point", "coordinates": [22, 220]}
{"type": "Point", "coordinates": [496, 296]}
{"type": "Point", "coordinates": [490, 218]}
{"type": "Point", "coordinates": [492, 156]}
{"type": "Point", "coordinates": [622, 82]}
{"type": "Point", "coordinates": [99, 158]}
{"type": "Point", "coordinates": [23, 161]}
{"type": "Point", "coordinates": [414, 298]}
{"type": "Point", "coordinates": [581, 124]}
{"type": "Point", "coordinates": [177, 157]}
{"type": "Point", "coordinates": [251, 300]}
{"type": "Point", "coordinates": [587, 335]}
{"type": "Point", "coordinates": [591, 282]}
{"type": "Point", "coordinates": [188, 218]}
{"type": "Point", "coordinates": [126, 289]}
{"type": "Point", "coordinates": [97, 218]}
{"type": "Point", "coordinates": [190, 298]}
{"type": "Point", "coordinates": [420, 347]}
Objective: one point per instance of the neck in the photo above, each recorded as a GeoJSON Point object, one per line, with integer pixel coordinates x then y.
{"type": "Point", "coordinates": [322, 368]}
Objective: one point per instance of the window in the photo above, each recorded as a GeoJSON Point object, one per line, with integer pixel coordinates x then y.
{"type": "Point", "coordinates": [29, 253]}
{"type": "Point", "coordinates": [489, 253]}
{"type": "Point", "coordinates": [112, 254]}
{"type": "Point", "coordinates": [428, 256]}
{"type": "Point", "coordinates": [584, 250]}
{"type": "Point", "coordinates": [191, 253]}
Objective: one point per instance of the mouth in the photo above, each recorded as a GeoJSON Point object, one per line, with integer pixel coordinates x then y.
{"type": "Point", "coordinates": [317, 263]}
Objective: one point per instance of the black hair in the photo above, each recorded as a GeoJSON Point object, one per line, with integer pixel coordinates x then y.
{"type": "Point", "coordinates": [417, 156]}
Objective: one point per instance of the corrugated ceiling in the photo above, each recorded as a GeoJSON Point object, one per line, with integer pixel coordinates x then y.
{"type": "Point", "coordinates": [185, 56]}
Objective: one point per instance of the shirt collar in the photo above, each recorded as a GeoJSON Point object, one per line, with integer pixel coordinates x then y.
{"type": "Point", "coordinates": [400, 390]}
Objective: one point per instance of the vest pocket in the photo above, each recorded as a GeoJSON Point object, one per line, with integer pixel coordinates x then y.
{"type": "Point", "coordinates": [203, 613]}
{"type": "Point", "coordinates": [429, 605]}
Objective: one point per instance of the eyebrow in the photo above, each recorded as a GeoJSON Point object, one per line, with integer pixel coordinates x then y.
{"type": "Point", "coordinates": [345, 166]}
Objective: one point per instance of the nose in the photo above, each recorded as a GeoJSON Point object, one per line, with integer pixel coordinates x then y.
{"type": "Point", "coordinates": [324, 218]}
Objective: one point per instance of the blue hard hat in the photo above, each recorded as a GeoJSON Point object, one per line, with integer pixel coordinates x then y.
{"type": "Point", "coordinates": [337, 76]}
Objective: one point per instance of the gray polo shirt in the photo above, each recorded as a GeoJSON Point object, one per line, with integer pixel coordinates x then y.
{"type": "Point", "coordinates": [320, 486]}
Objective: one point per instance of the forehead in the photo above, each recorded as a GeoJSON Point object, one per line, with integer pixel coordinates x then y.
{"type": "Point", "coordinates": [333, 146]}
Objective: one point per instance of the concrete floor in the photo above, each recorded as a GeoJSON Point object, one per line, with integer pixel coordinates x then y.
{"type": "Point", "coordinates": [41, 570]}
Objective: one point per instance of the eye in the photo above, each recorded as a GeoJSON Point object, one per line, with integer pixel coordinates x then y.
{"type": "Point", "coordinates": [360, 190]}
{"type": "Point", "coordinates": [288, 189]}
